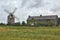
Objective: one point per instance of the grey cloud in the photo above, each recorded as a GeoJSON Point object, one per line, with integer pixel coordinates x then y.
{"type": "Point", "coordinates": [32, 3]}
{"type": "Point", "coordinates": [56, 7]}
{"type": "Point", "coordinates": [38, 3]}
{"type": "Point", "coordinates": [23, 2]}
{"type": "Point", "coordinates": [28, 7]}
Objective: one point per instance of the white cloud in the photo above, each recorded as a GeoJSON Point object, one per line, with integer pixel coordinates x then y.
{"type": "Point", "coordinates": [29, 7]}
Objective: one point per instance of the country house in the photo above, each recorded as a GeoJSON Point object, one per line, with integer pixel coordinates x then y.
{"type": "Point", "coordinates": [43, 20]}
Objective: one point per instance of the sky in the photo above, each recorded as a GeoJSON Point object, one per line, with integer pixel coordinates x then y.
{"type": "Point", "coordinates": [27, 8]}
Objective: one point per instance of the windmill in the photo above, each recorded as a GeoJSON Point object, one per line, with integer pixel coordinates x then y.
{"type": "Point", "coordinates": [11, 17]}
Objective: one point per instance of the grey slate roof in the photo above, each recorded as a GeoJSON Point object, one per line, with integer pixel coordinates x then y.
{"type": "Point", "coordinates": [43, 17]}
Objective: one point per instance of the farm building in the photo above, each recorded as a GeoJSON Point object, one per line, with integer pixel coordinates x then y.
{"type": "Point", "coordinates": [43, 20]}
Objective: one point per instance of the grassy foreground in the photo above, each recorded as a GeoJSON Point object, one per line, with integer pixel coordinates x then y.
{"type": "Point", "coordinates": [29, 33]}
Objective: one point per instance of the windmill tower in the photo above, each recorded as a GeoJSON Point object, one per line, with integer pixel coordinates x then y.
{"type": "Point", "coordinates": [11, 17]}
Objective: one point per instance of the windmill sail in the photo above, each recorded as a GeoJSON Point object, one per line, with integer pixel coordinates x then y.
{"type": "Point", "coordinates": [11, 17]}
{"type": "Point", "coordinates": [14, 10]}
{"type": "Point", "coordinates": [6, 11]}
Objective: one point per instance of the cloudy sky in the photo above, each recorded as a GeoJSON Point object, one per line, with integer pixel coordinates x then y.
{"type": "Point", "coordinates": [28, 7]}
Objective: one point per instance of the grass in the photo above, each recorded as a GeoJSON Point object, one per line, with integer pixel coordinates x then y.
{"type": "Point", "coordinates": [29, 33]}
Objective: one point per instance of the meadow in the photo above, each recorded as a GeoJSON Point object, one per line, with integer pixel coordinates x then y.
{"type": "Point", "coordinates": [29, 33]}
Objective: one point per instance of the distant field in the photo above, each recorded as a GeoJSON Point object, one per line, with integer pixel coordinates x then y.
{"type": "Point", "coordinates": [29, 33]}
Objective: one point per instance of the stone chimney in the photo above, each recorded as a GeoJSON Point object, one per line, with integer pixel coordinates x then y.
{"type": "Point", "coordinates": [29, 16]}
{"type": "Point", "coordinates": [40, 15]}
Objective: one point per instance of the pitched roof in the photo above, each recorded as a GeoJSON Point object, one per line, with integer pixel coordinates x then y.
{"type": "Point", "coordinates": [43, 17]}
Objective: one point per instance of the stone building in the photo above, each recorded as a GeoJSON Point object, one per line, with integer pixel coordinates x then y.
{"type": "Point", "coordinates": [11, 19]}
{"type": "Point", "coordinates": [43, 20]}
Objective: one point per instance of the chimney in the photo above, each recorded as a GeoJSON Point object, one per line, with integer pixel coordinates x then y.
{"type": "Point", "coordinates": [29, 16]}
{"type": "Point", "coordinates": [40, 15]}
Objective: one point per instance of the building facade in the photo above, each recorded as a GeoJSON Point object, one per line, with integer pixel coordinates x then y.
{"type": "Point", "coordinates": [11, 19]}
{"type": "Point", "coordinates": [43, 20]}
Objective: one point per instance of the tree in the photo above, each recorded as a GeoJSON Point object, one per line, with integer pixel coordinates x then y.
{"type": "Point", "coordinates": [17, 23]}
{"type": "Point", "coordinates": [23, 23]}
{"type": "Point", "coordinates": [50, 22]}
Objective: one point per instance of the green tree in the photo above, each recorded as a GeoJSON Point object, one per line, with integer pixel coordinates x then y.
{"type": "Point", "coordinates": [23, 23]}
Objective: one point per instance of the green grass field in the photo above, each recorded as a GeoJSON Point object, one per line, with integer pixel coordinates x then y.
{"type": "Point", "coordinates": [29, 33]}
